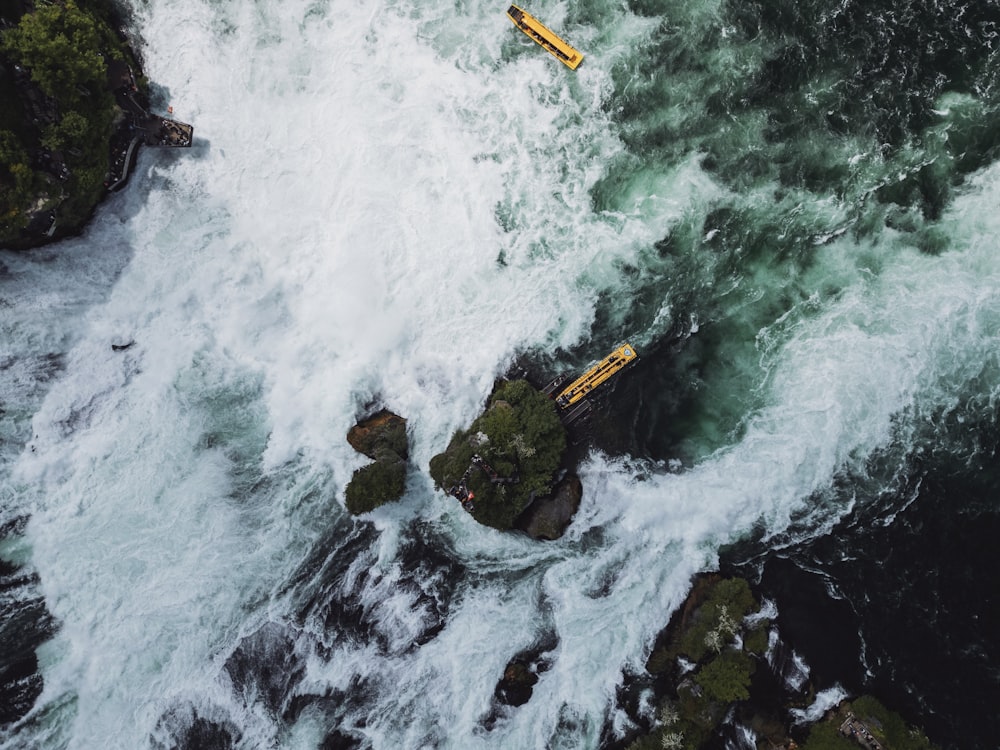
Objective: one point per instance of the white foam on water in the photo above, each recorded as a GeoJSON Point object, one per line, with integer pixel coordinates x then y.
{"type": "Point", "coordinates": [745, 739]}
{"type": "Point", "coordinates": [378, 209]}
{"type": "Point", "coordinates": [825, 701]}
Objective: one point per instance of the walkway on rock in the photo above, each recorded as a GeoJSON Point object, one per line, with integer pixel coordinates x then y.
{"type": "Point", "coordinates": [853, 727]}
{"type": "Point", "coordinates": [144, 127]}
{"type": "Point", "coordinates": [461, 491]}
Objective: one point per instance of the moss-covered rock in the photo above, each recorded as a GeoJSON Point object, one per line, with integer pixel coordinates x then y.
{"type": "Point", "coordinates": [521, 442]}
{"type": "Point", "coordinates": [375, 484]}
{"type": "Point", "coordinates": [379, 433]}
{"type": "Point", "coordinates": [722, 650]}
{"type": "Point", "coordinates": [59, 120]}
{"type": "Point", "coordinates": [381, 437]}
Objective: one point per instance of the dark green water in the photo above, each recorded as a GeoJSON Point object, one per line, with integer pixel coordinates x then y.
{"type": "Point", "coordinates": [843, 134]}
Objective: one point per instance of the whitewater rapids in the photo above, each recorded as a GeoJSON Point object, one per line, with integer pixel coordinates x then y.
{"type": "Point", "coordinates": [391, 202]}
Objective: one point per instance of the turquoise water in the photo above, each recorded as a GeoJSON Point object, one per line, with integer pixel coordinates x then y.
{"type": "Point", "coordinates": [788, 209]}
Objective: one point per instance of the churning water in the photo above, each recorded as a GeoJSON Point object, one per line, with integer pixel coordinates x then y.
{"type": "Point", "coordinates": [789, 209]}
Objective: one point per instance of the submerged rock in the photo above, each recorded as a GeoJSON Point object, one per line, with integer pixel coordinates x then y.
{"type": "Point", "coordinates": [519, 678]}
{"type": "Point", "coordinates": [25, 623]}
{"type": "Point", "coordinates": [186, 727]}
{"type": "Point", "coordinates": [516, 685]}
{"type": "Point", "coordinates": [266, 666]}
{"type": "Point", "coordinates": [381, 437]}
{"type": "Point", "coordinates": [337, 740]}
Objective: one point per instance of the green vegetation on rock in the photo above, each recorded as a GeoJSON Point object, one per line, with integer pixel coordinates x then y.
{"type": "Point", "coordinates": [888, 726]}
{"type": "Point", "coordinates": [709, 626]}
{"type": "Point", "coordinates": [59, 117]}
{"type": "Point", "coordinates": [708, 632]}
{"type": "Point", "coordinates": [17, 183]}
{"type": "Point", "coordinates": [63, 47]}
{"type": "Point", "coordinates": [885, 726]}
{"type": "Point", "coordinates": [374, 485]}
{"type": "Point", "coordinates": [826, 736]}
{"type": "Point", "coordinates": [381, 437]}
{"type": "Point", "coordinates": [519, 435]}
{"type": "Point", "coordinates": [755, 641]}
{"type": "Point", "coordinates": [726, 678]}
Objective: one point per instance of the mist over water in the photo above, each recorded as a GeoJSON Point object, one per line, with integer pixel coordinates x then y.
{"type": "Point", "coordinates": [392, 203]}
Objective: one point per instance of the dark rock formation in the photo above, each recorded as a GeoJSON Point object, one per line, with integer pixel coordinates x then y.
{"type": "Point", "coordinates": [519, 678]}
{"type": "Point", "coordinates": [265, 666]}
{"type": "Point", "coordinates": [511, 454]}
{"type": "Point", "coordinates": [25, 623]}
{"type": "Point", "coordinates": [547, 517]}
{"type": "Point", "coordinates": [383, 431]}
{"type": "Point", "coordinates": [184, 727]}
{"type": "Point", "coordinates": [381, 437]}
{"type": "Point", "coordinates": [337, 740]}
{"type": "Point", "coordinates": [516, 685]}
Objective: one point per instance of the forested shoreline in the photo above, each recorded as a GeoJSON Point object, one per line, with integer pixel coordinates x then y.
{"type": "Point", "coordinates": [60, 118]}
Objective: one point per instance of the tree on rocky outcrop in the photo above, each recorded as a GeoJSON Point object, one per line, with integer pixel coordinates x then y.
{"type": "Point", "coordinates": [709, 633]}
{"type": "Point", "coordinates": [726, 678]}
{"type": "Point", "coordinates": [519, 436]}
{"type": "Point", "coordinates": [824, 736]}
{"type": "Point", "coordinates": [70, 132]}
{"type": "Point", "coordinates": [55, 61]}
{"type": "Point", "coordinates": [63, 48]}
{"type": "Point", "coordinates": [721, 648]}
{"type": "Point", "coordinates": [17, 181]}
{"type": "Point", "coordinates": [715, 622]}
{"type": "Point", "coordinates": [887, 728]}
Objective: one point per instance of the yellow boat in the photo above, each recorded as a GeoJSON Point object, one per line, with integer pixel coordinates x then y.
{"type": "Point", "coordinates": [599, 373]}
{"type": "Point", "coordinates": [535, 29]}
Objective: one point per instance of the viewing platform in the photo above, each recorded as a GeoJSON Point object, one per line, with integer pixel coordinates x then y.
{"type": "Point", "coordinates": [860, 733]}
{"type": "Point", "coordinates": [143, 128]}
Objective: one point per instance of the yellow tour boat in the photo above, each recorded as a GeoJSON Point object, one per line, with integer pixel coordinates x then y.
{"type": "Point", "coordinates": [599, 373]}
{"type": "Point", "coordinates": [538, 31]}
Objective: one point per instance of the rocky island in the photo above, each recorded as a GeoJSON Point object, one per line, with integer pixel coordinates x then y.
{"type": "Point", "coordinates": [718, 666]}
{"type": "Point", "coordinates": [381, 437]}
{"type": "Point", "coordinates": [510, 456]}
{"type": "Point", "coordinates": [510, 469]}
{"type": "Point", "coordinates": [75, 111]}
